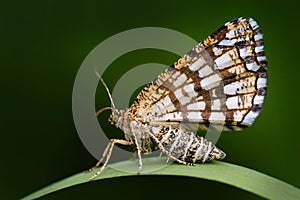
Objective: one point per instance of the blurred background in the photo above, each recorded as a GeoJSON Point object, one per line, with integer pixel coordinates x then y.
{"type": "Point", "coordinates": [43, 44]}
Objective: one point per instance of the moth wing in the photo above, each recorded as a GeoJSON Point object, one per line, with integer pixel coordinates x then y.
{"type": "Point", "coordinates": [222, 80]}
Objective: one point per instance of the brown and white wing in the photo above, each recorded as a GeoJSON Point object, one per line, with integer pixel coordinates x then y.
{"type": "Point", "coordinates": [221, 80]}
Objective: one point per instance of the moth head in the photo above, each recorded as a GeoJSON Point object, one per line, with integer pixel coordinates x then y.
{"type": "Point", "coordinates": [114, 117]}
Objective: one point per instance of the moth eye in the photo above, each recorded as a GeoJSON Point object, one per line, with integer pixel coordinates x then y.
{"type": "Point", "coordinates": [114, 118]}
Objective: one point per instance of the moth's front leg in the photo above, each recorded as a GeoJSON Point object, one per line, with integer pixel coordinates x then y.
{"type": "Point", "coordinates": [107, 154]}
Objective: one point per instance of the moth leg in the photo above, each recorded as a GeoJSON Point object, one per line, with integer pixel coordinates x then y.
{"type": "Point", "coordinates": [162, 148]}
{"type": "Point", "coordinates": [108, 154]}
{"type": "Point", "coordinates": [167, 161]}
{"type": "Point", "coordinates": [139, 153]}
{"type": "Point", "coordinates": [101, 159]}
{"type": "Point", "coordinates": [160, 154]}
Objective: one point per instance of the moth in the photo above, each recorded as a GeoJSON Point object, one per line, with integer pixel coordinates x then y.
{"type": "Point", "coordinates": [220, 82]}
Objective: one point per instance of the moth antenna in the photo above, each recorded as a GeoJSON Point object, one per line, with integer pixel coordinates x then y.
{"type": "Point", "coordinates": [103, 109]}
{"type": "Point", "coordinates": [107, 90]}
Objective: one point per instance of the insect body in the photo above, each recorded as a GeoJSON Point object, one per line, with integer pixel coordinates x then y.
{"type": "Point", "coordinates": [183, 146]}
{"type": "Point", "coordinates": [220, 82]}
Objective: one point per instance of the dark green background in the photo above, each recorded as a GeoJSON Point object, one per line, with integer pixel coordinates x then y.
{"type": "Point", "coordinates": [43, 44]}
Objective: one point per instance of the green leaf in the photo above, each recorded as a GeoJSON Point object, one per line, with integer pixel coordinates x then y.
{"type": "Point", "coordinates": [240, 177]}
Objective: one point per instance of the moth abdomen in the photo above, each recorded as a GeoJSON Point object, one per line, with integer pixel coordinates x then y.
{"type": "Point", "coordinates": [188, 146]}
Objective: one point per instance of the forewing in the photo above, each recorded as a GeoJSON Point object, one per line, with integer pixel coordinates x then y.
{"type": "Point", "coordinates": [222, 80]}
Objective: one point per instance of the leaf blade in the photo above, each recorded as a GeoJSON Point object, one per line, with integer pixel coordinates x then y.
{"type": "Point", "coordinates": [234, 175]}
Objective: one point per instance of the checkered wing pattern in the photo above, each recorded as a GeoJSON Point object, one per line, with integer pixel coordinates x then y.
{"type": "Point", "coordinates": [222, 80]}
